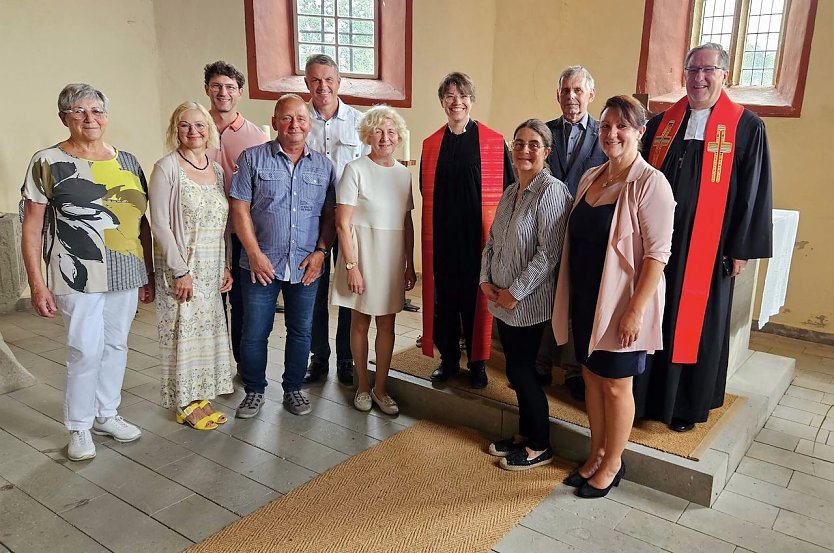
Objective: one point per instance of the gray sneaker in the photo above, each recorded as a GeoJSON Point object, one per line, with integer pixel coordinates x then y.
{"type": "Point", "coordinates": [250, 406]}
{"type": "Point", "coordinates": [297, 403]}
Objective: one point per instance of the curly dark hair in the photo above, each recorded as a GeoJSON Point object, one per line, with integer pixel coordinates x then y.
{"type": "Point", "coordinates": [225, 69]}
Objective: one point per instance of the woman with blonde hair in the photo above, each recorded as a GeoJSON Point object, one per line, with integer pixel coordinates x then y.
{"type": "Point", "coordinates": [373, 222]}
{"type": "Point", "coordinates": [189, 211]}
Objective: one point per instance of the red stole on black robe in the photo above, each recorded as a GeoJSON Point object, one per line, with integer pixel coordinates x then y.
{"type": "Point", "coordinates": [716, 170]}
{"type": "Point", "coordinates": [491, 146]}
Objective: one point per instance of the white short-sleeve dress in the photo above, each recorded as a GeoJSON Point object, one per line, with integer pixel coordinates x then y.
{"type": "Point", "coordinates": [380, 196]}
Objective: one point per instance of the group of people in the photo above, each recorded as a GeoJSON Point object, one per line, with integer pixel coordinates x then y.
{"type": "Point", "coordinates": [607, 247]}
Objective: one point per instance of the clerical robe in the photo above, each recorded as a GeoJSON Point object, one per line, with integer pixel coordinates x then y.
{"type": "Point", "coordinates": [688, 391]}
{"type": "Point", "coordinates": [454, 234]}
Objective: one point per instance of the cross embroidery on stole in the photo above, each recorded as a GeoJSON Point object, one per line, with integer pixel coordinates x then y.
{"type": "Point", "coordinates": [719, 148]}
{"type": "Point", "coordinates": [661, 140]}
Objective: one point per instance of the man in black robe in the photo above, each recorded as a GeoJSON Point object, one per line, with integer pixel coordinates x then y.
{"type": "Point", "coordinates": [682, 393]}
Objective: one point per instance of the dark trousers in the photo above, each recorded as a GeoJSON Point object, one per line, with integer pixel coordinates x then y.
{"type": "Point", "coordinates": [520, 345]}
{"type": "Point", "coordinates": [454, 309]}
{"type": "Point", "coordinates": [234, 298]}
{"type": "Point", "coordinates": [320, 345]}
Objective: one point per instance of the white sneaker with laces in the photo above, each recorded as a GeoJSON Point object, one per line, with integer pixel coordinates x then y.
{"type": "Point", "coordinates": [81, 446]}
{"type": "Point", "coordinates": [121, 430]}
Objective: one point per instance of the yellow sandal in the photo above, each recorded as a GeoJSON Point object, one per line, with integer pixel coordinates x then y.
{"type": "Point", "coordinates": [216, 416]}
{"type": "Point", "coordinates": [205, 423]}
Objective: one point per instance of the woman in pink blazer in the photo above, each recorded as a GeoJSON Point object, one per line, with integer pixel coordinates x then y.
{"type": "Point", "coordinates": [611, 280]}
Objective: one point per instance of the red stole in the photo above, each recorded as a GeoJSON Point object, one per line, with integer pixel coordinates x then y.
{"type": "Point", "coordinates": [716, 170]}
{"type": "Point", "coordinates": [492, 186]}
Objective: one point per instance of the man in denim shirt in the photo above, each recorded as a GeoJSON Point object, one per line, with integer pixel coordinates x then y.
{"type": "Point", "coordinates": [283, 205]}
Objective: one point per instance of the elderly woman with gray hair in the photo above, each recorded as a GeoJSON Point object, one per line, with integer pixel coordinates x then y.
{"type": "Point", "coordinates": [373, 222]}
{"type": "Point", "coordinates": [83, 210]}
{"type": "Point", "coordinates": [518, 279]}
{"type": "Point", "coordinates": [190, 221]}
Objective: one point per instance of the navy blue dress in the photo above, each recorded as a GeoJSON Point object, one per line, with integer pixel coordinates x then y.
{"type": "Point", "coordinates": [589, 229]}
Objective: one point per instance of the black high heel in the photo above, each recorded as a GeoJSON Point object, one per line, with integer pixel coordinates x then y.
{"type": "Point", "coordinates": [574, 479]}
{"type": "Point", "coordinates": [587, 491]}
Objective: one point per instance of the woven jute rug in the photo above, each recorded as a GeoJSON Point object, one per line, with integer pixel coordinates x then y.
{"type": "Point", "coordinates": [428, 488]}
{"type": "Point", "coordinates": [648, 433]}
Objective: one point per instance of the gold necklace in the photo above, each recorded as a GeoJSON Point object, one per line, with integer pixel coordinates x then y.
{"type": "Point", "coordinates": [616, 177]}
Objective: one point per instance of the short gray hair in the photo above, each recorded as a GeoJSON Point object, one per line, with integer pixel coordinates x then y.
{"type": "Point", "coordinates": [723, 56]}
{"type": "Point", "coordinates": [74, 93]}
{"type": "Point", "coordinates": [322, 59]}
{"type": "Point", "coordinates": [375, 117]}
{"type": "Point", "coordinates": [574, 70]}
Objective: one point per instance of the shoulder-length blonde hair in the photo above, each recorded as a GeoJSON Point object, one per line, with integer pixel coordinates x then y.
{"type": "Point", "coordinates": [375, 117]}
{"type": "Point", "coordinates": [172, 139]}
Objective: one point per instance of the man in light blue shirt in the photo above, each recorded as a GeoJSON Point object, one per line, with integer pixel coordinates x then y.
{"type": "Point", "coordinates": [332, 133]}
{"type": "Point", "coordinates": [283, 205]}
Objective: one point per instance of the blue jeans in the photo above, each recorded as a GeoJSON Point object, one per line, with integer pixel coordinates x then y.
{"type": "Point", "coordinates": [320, 345]}
{"type": "Point", "coordinates": [258, 318]}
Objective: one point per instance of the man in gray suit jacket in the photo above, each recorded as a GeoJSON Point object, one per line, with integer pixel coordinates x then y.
{"type": "Point", "coordinates": [575, 150]}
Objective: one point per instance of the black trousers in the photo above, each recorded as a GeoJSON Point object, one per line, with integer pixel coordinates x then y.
{"type": "Point", "coordinates": [234, 298]}
{"type": "Point", "coordinates": [520, 344]}
{"type": "Point", "coordinates": [454, 309]}
{"type": "Point", "coordinates": [320, 341]}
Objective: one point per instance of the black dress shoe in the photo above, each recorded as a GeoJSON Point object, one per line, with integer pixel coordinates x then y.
{"type": "Point", "coordinates": [681, 425]}
{"type": "Point", "coordinates": [315, 372]}
{"type": "Point", "coordinates": [444, 372]}
{"type": "Point", "coordinates": [587, 491]}
{"type": "Point", "coordinates": [576, 387]}
{"type": "Point", "coordinates": [574, 479]}
{"type": "Point", "coordinates": [517, 460]}
{"type": "Point", "coordinates": [279, 308]}
{"type": "Point", "coordinates": [478, 377]}
{"type": "Point", "coordinates": [502, 448]}
{"type": "Point", "coordinates": [344, 372]}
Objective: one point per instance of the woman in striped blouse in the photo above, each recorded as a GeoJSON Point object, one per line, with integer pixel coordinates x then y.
{"type": "Point", "coordinates": [518, 279]}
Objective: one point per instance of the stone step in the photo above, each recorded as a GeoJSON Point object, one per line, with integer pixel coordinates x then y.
{"type": "Point", "coordinates": [760, 381]}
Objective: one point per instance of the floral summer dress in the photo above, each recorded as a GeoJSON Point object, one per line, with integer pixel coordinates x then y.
{"type": "Point", "coordinates": [193, 340]}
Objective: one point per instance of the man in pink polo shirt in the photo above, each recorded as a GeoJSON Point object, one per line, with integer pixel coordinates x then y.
{"type": "Point", "coordinates": [224, 85]}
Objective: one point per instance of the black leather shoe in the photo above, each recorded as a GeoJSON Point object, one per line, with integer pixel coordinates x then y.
{"type": "Point", "coordinates": [279, 308]}
{"type": "Point", "coordinates": [576, 387]}
{"type": "Point", "coordinates": [478, 377]}
{"type": "Point", "coordinates": [574, 480]}
{"type": "Point", "coordinates": [681, 425]}
{"type": "Point", "coordinates": [587, 491]}
{"type": "Point", "coordinates": [344, 372]}
{"type": "Point", "coordinates": [315, 372]}
{"type": "Point", "coordinates": [545, 379]}
{"type": "Point", "coordinates": [517, 460]}
{"type": "Point", "coordinates": [444, 372]}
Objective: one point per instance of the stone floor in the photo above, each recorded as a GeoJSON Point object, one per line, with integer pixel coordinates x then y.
{"type": "Point", "coordinates": [176, 485]}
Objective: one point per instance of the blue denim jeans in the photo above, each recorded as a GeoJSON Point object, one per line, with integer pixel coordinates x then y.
{"type": "Point", "coordinates": [258, 318]}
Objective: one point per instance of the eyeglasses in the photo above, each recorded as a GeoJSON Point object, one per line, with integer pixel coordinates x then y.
{"type": "Point", "coordinates": [534, 147]}
{"type": "Point", "coordinates": [707, 70]}
{"type": "Point", "coordinates": [452, 98]}
{"type": "Point", "coordinates": [217, 87]}
{"type": "Point", "coordinates": [199, 127]}
{"type": "Point", "coordinates": [80, 114]}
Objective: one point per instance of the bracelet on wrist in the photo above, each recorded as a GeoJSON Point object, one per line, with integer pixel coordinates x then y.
{"type": "Point", "coordinates": [183, 275]}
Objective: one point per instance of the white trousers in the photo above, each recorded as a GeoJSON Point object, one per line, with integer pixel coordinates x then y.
{"type": "Point", "coordinates": [97, 329]}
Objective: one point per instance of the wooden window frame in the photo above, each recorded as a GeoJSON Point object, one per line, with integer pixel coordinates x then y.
{"type": "Point", "coordinates": [270, 49]}
{"type": "Point", "coordinates": [667, 30]}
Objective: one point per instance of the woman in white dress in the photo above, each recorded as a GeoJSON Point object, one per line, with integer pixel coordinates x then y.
{"type": "Point", "coordinates": [189, 221]}
{"type": "Point", "coordinates": [376, 266]}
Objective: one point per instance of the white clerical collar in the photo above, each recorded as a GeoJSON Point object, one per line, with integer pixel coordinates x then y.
{"type": "Point", "coordinates": [697, 124]}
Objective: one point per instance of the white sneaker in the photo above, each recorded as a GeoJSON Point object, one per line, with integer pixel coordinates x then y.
{"type": "Point", "coordinates": [121, 430]}
{"type": "Point", "coordinates": [81, 445]}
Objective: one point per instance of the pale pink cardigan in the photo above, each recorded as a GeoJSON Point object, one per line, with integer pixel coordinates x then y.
{"type": "Point", "coordinates": [641, 228]}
